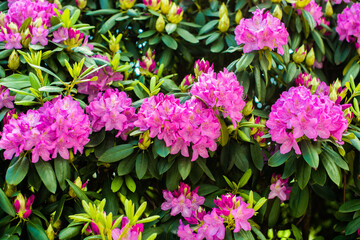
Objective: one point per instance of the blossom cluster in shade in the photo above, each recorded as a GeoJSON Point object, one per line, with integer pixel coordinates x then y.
{"type": "Point", "coordinates": [230, 210]}
{"type": "Point", "coordinates": [180, 125]}
{"type": "Point", "coordinates": [6, 100]}
{"type": "Point", "coordinates": [315, 10]}
{"type": "Point", "coordinates": [106, 76]}
{"type": "Point", "coordinates": [260, 32]}
{"type": "Point", "coordinates": [279, 188]}
{"type": "Point", "coordinates": [38, 11]}
{"type": "Point", "coordinates": [112, 110]}
{"type": "Point", "coordinates": [222, 92]}
{"type": "Point", "coordinates": [53, 129]}
{"type": "Point", "coordinates": [348, 24]}
{"type": "Point", "coordinates": [183, 201]}
{"type": "Point", "coordinates": [299, 113]}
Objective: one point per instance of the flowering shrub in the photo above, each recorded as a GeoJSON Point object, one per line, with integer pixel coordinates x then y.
{"type": "Point", "coordinates": [171, 119]}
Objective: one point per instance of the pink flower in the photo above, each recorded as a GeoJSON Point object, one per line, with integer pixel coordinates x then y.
{"type": "Point", "coordinates": [13, 41]}
{"type": "Point", "coordinates": [39, 35]}
{"type": "Point", "coordinates": [60, 35]}
{"type": "Point", "coordinates": [261, 31]}
{"type": "Point", "coordinates": [348, 24]}
{"type": "Point", "coordinates": [5, 99]}
{"type": "Point", "coordinates": [241, 215]}
{"type": "Point", "coordinates": [213, 227]}
{"type": "Point", "coordinates": [279, 188]}
{"type": "Point", "coordinates": [185, 232]}
{"type": "Point", "coordinates": [131, 234]}
{"type": "Point", "coordinates": [315, 10]}
{"type": "Point", "coordinates": [202, 66]}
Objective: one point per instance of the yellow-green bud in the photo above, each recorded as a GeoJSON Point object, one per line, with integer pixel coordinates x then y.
{"type": "Point", "coordinates": [276, 1]}
{"type": "Point", "coordinates": [302, 3]}
{"type": "Point", "coordinates": [10, 190]}
{"type": "Point", "coordinates": [333, 95]}
{"type": "Point", "coordinates": [175, 14]}
{"type": "Point", "coordinates": [223, 11]}
{"type": "Point", "coordinates": [25, 40]}
{"type": "Point", "coordinates": [52, 198]}
{"type": "Point", "coordinates": [14, 60]}
{"type": "Point", "coordinates": [328, 9]}
{"type": "Point", "coordinates": [127, 4]}
{"type": "Point", "coordinates": [249, 107]}
{"type": "Point", "coordinates": [2, 19]}
{"type": "Point", "coordinates": [224, 23]}
{"type": "Point", "coordinates": [81, 4]}
{"type": "Point", "coordinates": [165, 6]}
{"type": "Point", "coordinates": [277, 12]}
{"type": "Point", "coordinates": [160, 24]}
{"type": "Point", "coordinates": [299, 55]}
{"type": "Point", "coordinates": [13, 27]}
{"type": "Point", "coordinates": [145, 140]}
{"type": "Point", "coordinates": [50, 232]}
{"type": "Point", "coordinates": [238, 16]}
{"type": "Point", "coordinates": [310, 58]}
{"type": "Point", "coordinates": [38, 22]}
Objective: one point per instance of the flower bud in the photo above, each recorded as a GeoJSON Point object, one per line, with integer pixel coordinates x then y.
{"type": "Point", "coordinates": [310, 58]}
{"type": "Point", "coordinates": [80, 185]}
{"type": "Point", "coordinates": [328, 9]}
{"type": "Point", "coordinates": [333, 95]}
{"type": "Point", "coordinates": [127, 4]}
{"type": "Point", "coordinates": [277, 12]}
{"type": "Point", "coordinates": [114, 43]}
{"type": "Point", "coordinates": [160, 24]}
{"type": "Point", "coordinates": [2, 19]}
{"type": "Point", "coordinates": [81, 4]}
{"type": "Point", "coordinates": [223, 11]}
{"type": "Point", "coordinates": [25, 38]}
{"type": "Point", "coordinates": [302, 3]}
{"type": "Point", "coordinates": [187, 81]}
{"type": "Point", "coordinates": [249, 107]}
{"type": "Point", "coordinates": [144, 140]}
{"type": "Point", "coordinates": [23, 206]}
{"type": "Point", "coordinates": [175, 14]}
{"type": "Point", "coordinates": [165, 6]}
{"type": "Point", "coordinates": [238, 16]}
{"type": "Point", "coordinates": [58, 4]}
{"type": "Point", "coordinates": [201, 66]}
{"type": "Point", "coordinates": [14, 60]}
{"type": "Point", "coordinates": [152, 4]}
{"type": "Point", "coordinates": [10, 190]}
{"type": "Point", "coordinates": [224, 23]}
{"type": "Point", "coordinates": [299, 55]}
{"type": "Point", "coordinates": [276, 1]}
{"type": "Point", "coordinates": [37, 23]}
{"type": "Point", "coordinates": [50, 232]}
{"type": "Point", "coordinates": [13, 27]}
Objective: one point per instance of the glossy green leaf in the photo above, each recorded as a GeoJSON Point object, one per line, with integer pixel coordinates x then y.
{"type": "Point", "coordinates": [6, 205]}
{"type": "Point", "coordinates": [202, 163]}
{"type": "Point", "coordinates": [62, 171]}
{"type": "Point", "coordinates": [245, 60]}
{"type": "Point", "coordinates": [350, 206]}
{"type": "Point", "coordinates": [299, 200]}
{"type": "Point", "coordinates": [169, 42]}
{"type": "Point", "coordinates": [117, 153]}
{"type": "Point", "coordinates": [338, 160]}
{"type": "Point", "coordinates": [130, 183]}
{"type": "Point", "coordinates": [332, 169]}
{"type": "Point", "coordinates": [17, 170]}
{"type": "Point", "coordinates": [141, 164]}
{"type": "Point", "coordinates": [184, 167]}
{"type": "Point", "coordinates": [352, 226]}
{"type": "Point", "coordinates": [160, 148]}
{"type": "Point", "coordinates": [36, 231]}
{"type": "Point", "coordinates": [47, 175]}
{"type": "Point", "coordinates": [303, 173]}
{"type": "Point", "coordinates": [79, 193]}
{"type": "Point", "coordinates": [278, 159]}
{"type": "Point", "coordinates": [309, 153]}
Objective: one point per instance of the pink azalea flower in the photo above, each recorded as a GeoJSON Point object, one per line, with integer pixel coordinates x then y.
{"type": "Point", "coordinates": [279, 188]}
{"type": "Point", "coordinates": [213, 227]}
{"type": "Point", "coordinates": [13, 41]}
{"type": "Point", "coordinates": [60, 35]}
{"type": "Point", "coordinates": [185, 232]}
{"type": "Point", "coordinates": [241, 215]}
{"type": "Point", "coordinates": [39, 35]}
{"type": "Point", "coordinates": [5, 99]}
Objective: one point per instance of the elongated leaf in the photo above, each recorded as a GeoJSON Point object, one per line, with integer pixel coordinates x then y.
{"type": "Point", "coordinates": [338, 160]}
{"type": "Point", "coordinates": [208, 26]}
{"type": "Point", "coordinates": [184, 167]}
{"type": "Point", "coordinates": [352, 226]}
{"type": "Point", "coordinates": [79, 193]}
{"type": "Point", "coordinates": [310, 20]}
{"type": "Point", "coordinates": [245, 60]}
{"type": "Point", "coordinates": [17, 170]}
{"type": "Point", "coordinates": [350, 206]}
{"type": "Point", "coordinates": [278, 159]}
{"type": "Point", "coordinates": [47, 175]}
{"type": "Point", "coordinates": [160, 148]}
{"type": "Point", "coordinates": [130, 183]}
{"type": "Point", "coordinates": [36, 231]}
{"type": "Point", "coordinates": [117, 153]}
{"type": "Point", "coordinates": [141, 165]}
{"type": "Point", "coordinates": [299, 200]}
{"type": "Point", "coordinates": [303, 173]}
{"type": "Point", "coordinates": [62, 170]}
{"type": "Point", "coordinates": [70, 232]}
{"type": "Point", "coordinates": [186, 35]}
{"type": "Point", "coordinates": [318, 40]}
{"type": "Point", "coordinates": [332, 169]}
{"type": "Point", "coordinates": [169, 42]}
{"type": "Point", "coordinates": [309, 153]}
{"type": "Point", "coordinates": [201, 162]}
{"type": "Point", "coordinates": [6, 205]}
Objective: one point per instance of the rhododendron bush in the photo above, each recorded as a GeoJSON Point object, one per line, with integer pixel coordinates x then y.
{"type": "Point", "coordinates": [178, 119]}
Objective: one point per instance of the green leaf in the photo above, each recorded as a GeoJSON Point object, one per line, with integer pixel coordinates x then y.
{"type": "Point", "coordinates": [212, 37]}
{"type": "Point", "coordinates": [186, 35]}
{"type": "Point", "coordinates": [141, 164]}
{"type": "Point", "coordinates": [352, 226]}
{"type": "Point", "coordinates": [319, 175]}
{"type": "Point", "coordinates": [34, 81]}
{"type": "Point", "coordinates": [341, 52]}
{"type": "Point", "coordinates": [332, 169]}
{"type": "Point", "coordinates": [291, 72]}
{"type": "Point", "coordinates": [117, 153]}
{"type": "Point", "coordinates": [169, 42]}
{"type": "Point", "coordinates": [297, 233]}
{"type": "Point", "coordinates": [70, 232]}
{"type": "Point", "coordinates": [36, 231]}
{"type": "Point", "coordinates": [202, 164]}
{"type": "Point", "coordinates": [130, 183]}
{"type": "Point", "coordinates": [172, 178]}
{"type": "Point", "coordinates": [184, 167]}
{"type": "Point", "coordinates": [109, 24]}
{"type": "Point", "coordinates": [331, 154]}
{"type": "Point", "coordinates": [62, 171]}
{"type": "Point", "coordinates": [310, 20]}
{"type": "Point", "coordinates": [258, 83]}
{"type": "Point", "coordinates": [350, 206]}
{"type": "Point", "coordinates": [51, 89]}
{"type": "Point", "coordinates": [79, 193]}
{"type": "Point", "coordinates": [117, 183]}
{"type": "Point", "coordinates": [278, 159]}
{"type": "Point", "coordinates": [245, 178]}
{"type": "Point", "coordinates": [353, 71]}
{"type": "Point", "coordinates": [299, 200]}
{"type": "Point", "coordinates": [160, 148]}
{"type": "Point", "coordinates": [238, 154]}
{"type": "Point", "coordinates": [218, 46]}
{"type": "Point", "coordinates": [47, 175]}
{"type": "Point", "coordinates": [17, 170]}
{"type": "Point", "coordinates": [224, 137]}
{"type": "Point", "coordinates": [318, 40]}
{"type": "Point", "coordinates": [6, 205]}
{"type": "Point", "coordinates": [208, 26]}
{"type": "Point", "coordinates": [274, 213]}
{"type": "Point", "coordinates": [170, 28]}
{"type": "Point", "coordinates": [60, 208]}
{"type": "Point", "coordinates": [16, 81]}
{"type": "Point", "coordinates": [309, 153]}
{"type": "Point", "coordinates": [245, 60]}
{"type": "Point", "coordinates": [147, 34]}
{"type": "Point", "coordinates": [126, 166]}
{"type": "Point", "coordinates": [303, 174]}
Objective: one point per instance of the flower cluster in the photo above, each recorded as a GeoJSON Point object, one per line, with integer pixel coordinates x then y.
{"type": "Point", "coordinates": [348, 24]}
{"type": "Point", "coordinates": [298, 113]}
{"type": "Point", "coordinates": [106, 76]}
{"type": "Point", "coordinates": [23, 206]}
{"type": "Point", "coordinates": [260, 32]}
{"type": "Point", "coordinates": [312, 83]}
{"type": "Point", "coordinates": [54, 128]}
{"type": "Point", "coordinates": [221, 91]}
{"type": "Point", "coordinates": [38, 11]}
{"type": "Point", "coordinates": [279, 188]}
{"type": "Point", "coordinates": [180, 125]}
{"type": "Point", "coordinates": [202, 66]}
{"type": "Point", "coordinates": [132, 233]}
{"type": "Point", "coordinates": [182, 201]}
{"type": "Point", "coordinates": [112, 110]}
{"type": "Point", "coordinates": [71, 37]}
{"type": "Point", "coordinates": [5, 99]}
{"type": "Point", "coordinates": [230, 210]}
{"type": "Point", "coordinates": [148, 63]}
